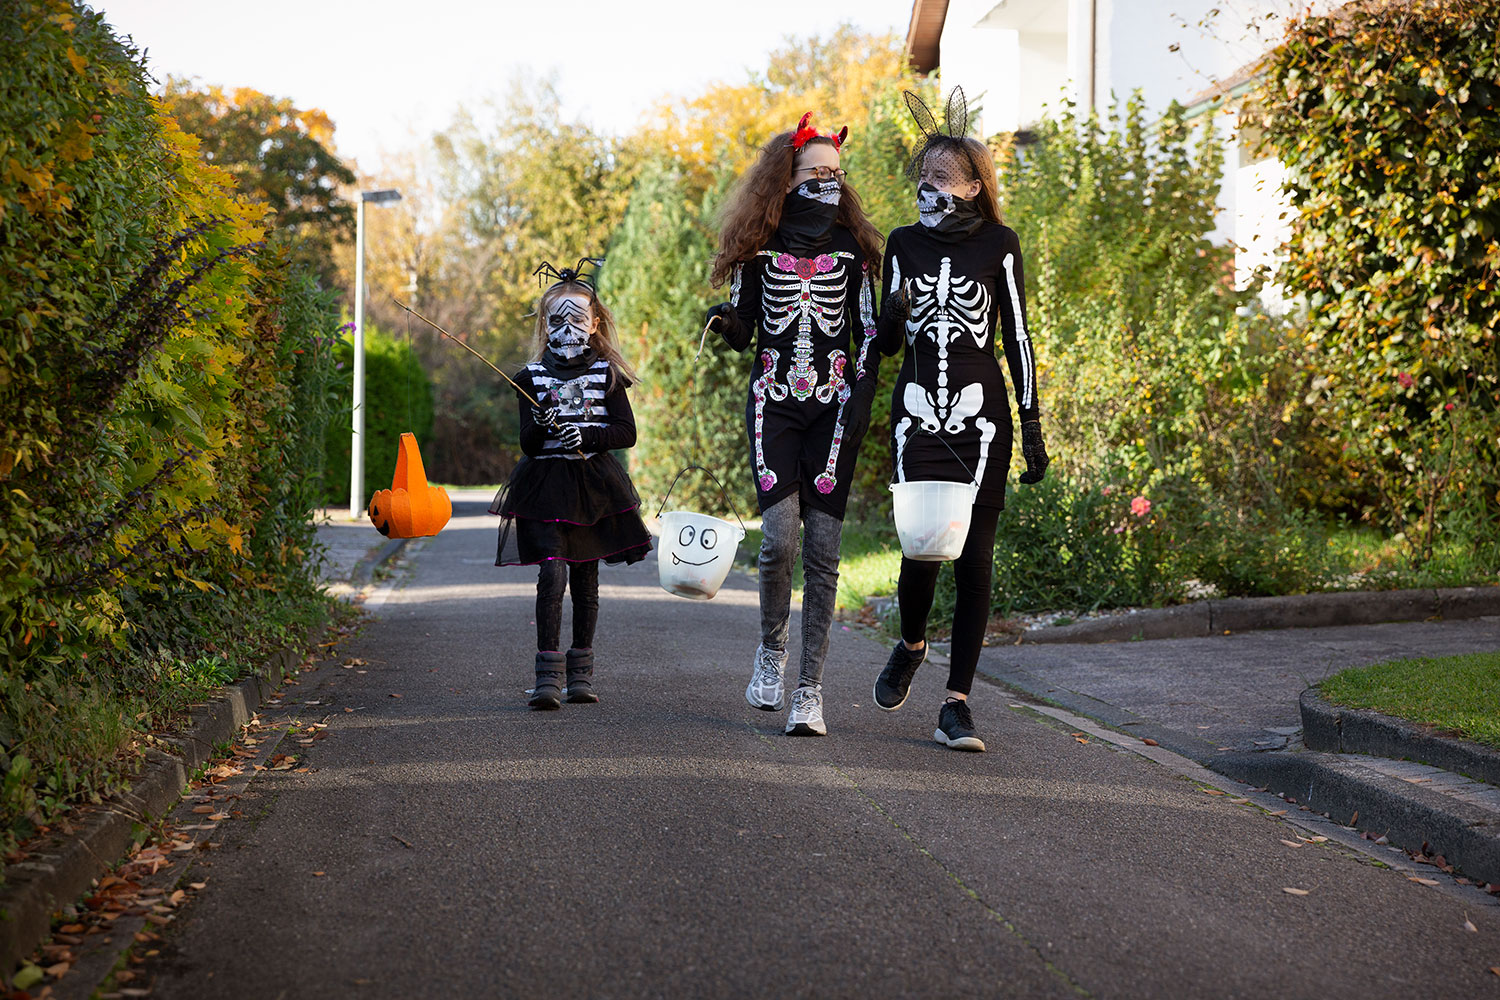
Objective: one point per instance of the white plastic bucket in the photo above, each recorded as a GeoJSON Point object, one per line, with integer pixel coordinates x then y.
{"type": "Point", "coordinates": [932, 518]}
{"type": "Point", "coordinates": [695, 554]}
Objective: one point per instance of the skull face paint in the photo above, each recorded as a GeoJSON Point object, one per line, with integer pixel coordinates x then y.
{"type": "Point", "coordinates": [570, 323]}
{"type": "Point", "coordinates": [708, 538]}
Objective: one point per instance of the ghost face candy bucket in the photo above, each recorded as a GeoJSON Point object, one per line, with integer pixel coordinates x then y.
{"type": "Point", "coordinates": [696, 550]}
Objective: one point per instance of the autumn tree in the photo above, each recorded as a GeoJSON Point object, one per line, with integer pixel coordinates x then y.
{"type": "Point", "coordinates": [278, 154]}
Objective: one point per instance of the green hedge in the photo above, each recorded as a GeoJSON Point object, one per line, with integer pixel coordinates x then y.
{"type": "Point", "coordinates": [1388, 119]}
{"type": "Point", "coordinates": [164, 379]}
{"type": "Point", "coordinates": [398, 399]}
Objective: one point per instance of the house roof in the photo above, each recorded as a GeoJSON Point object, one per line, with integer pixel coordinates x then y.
{"type": "Point", "coordinates": [924, 33]}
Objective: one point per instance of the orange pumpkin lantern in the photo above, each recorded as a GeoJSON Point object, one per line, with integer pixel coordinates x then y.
{"type": "Point", "coordinates": [410, 508]}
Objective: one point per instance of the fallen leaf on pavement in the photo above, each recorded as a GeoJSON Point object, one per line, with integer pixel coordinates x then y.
{"type": "Point", "coordinates": [1151, 743]}
{"type": "Point", "coordinates": [197, 885]}
{"type": "Point", "coordinates": [1495, 969]}
{"type": "Point", "coordinates": [320, 874]}
{"type": "Point", "coordinates": [1423, 881]}
{"type": "Point", "coordinates": [1278, 812]}
{"type": "Point", "coordinates": [394, 695]}
{"type": "Point", "coordinates": [203, 810]}
{"type": "Point", "coordinates": [1210, 791]}
{"type": "Point", "coordinates": [1294, 892]}
{"type": "Point", "coordinates": [1469, 925]}
{"type": "Point", "coordinates": [1291, 843]}
{"type": "Point", "coordinates": [1238, 802]}
{"type": "Point", "coordinates": [1317, 839]}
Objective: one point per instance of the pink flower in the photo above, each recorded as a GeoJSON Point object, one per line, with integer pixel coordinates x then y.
{"type": "Point", "coordinates": [1140, 506]}
{"type": "Point", "coordinates": [1405, 379]}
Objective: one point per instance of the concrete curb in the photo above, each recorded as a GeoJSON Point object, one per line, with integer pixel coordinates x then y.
{"type": "Point", "coordinates": [1335, 729]}
{"type": "Point", "coordinates": [1183, 744]}
{"type": "Point", "coordinates": [58, 870]}
{"type": "Point", "coordinates": [1407, 814]}
{"type": "Point", "coordinates": [1244, 614]}
{"type": "Point", "coordinates": [1410, 816]}
{"type": "Point", "coordinates": [366, 567]}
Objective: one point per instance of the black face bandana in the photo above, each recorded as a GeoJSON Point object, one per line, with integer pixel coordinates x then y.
{"type": "Point", "coordinates": [566, 368]}
{"type": "Point", "coordinates": [947, 214]}
{"type": "Point", "coordinates": [808, 215]}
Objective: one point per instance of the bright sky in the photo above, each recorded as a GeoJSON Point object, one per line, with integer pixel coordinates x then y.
{"type": "Point", "coordinates": [390, 73]}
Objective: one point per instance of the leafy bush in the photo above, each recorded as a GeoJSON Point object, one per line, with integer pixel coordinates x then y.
{"type": "Point", "coordinates": [398, 399]}
{"type": "Point", "coordinates": [1388, 119]}
{"type": "Point", "coordinates": [164, 377]}
{"type": "Point", "coordinates": [1062, 544]}
{"type": "Point", "coordinates": [689, 410]}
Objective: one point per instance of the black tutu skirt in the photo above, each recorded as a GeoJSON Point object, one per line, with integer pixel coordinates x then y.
{"type": "Point", "coordinates": [576, 510]}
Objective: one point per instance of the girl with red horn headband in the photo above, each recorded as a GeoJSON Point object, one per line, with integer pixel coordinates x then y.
{"type": "Point", "coordinates": [801, 260]}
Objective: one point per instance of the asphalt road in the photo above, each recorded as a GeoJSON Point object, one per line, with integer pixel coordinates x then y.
{"type": "Point", "coordinates": [670, 841]}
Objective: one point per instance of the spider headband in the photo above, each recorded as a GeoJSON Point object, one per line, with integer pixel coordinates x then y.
{"type": "Point", "coordinates": [952, 134]}
{"type": "Point", "coordinates": [806, 132]}
{"type": "Point", "coordinates": [567, 274]}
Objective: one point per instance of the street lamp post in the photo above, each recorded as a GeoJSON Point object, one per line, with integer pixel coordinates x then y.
{"type": "Point", "coordinates": [357, 442]}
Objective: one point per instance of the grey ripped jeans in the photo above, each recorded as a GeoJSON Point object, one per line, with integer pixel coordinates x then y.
{"type": "Point", "coordinates": [822, 534]}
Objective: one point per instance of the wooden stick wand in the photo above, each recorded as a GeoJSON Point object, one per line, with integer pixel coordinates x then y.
{"type": "Point", "coordinates": [466, 347]}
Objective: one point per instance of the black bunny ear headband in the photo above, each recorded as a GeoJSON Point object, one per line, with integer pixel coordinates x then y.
{"type": "Point", "coordinates": [949, 137]}
{"type": "Point", "coordinates": [574, 273]}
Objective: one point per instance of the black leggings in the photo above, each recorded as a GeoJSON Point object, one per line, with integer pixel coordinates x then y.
{"type": "Point", "coordinates": [552, 577]}
{"type": "Point", "coordinates": [973, 578]}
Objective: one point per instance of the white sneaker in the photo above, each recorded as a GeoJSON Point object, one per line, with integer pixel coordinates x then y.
{"type": "Point", "coordinates": [806, 716]}
{"type": "Point", "coordinates": [764, 690]}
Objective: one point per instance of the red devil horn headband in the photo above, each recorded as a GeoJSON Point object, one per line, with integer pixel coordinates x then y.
{"type": "Point", "coordinates": [805, 132]}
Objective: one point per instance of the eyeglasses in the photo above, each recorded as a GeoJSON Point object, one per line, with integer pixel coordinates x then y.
{"type": "Point", "coordinates": [824, 173]}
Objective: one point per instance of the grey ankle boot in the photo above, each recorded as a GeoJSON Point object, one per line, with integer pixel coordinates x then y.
{"type": "Point", "coordinates": [549, 677]}
{"type": "Point", "coordinates": [581, 675]}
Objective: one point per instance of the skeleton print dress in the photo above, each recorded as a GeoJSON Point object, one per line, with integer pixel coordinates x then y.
{"type": "Point", "coordinates": [816, 317]}
{"type": "Point", "coordinates": [950, 420]}
{"type": "Point", "coordinates": [572, 504]}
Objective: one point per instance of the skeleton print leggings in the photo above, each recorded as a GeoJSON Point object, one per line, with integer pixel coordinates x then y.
{"type": "Point", "coordinates": [552, 577]}
{"type": "Point", "coordinates": [822, 534]}
{"type": "Point", "coordinates": [973, 576]}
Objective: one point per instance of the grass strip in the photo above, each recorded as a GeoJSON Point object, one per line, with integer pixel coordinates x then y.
{"type": "Point", "coordinates": [1459, 694]}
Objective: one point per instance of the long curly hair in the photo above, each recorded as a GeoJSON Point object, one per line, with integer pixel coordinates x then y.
{"type": "Point", "coordinates": [753, 210]}
{"type": "Point", "coordinates": [604, 340]}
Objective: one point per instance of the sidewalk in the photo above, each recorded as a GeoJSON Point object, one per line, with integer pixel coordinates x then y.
{"type": "Point", "coordinates": [352, 550]}
{"type": "Point", "coordinates": [439, 838]}
{"type": "Point", "coordinates": [1231, 704]}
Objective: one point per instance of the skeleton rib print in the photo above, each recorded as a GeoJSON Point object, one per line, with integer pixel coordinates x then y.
{"type": "Point", "coordinates": [815, 320]}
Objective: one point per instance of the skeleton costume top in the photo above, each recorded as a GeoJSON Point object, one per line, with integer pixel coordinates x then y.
{"type": "Point", "coordinates": [950, 419]}
{"type": "Point", "coordinates": [810, 294]}
{"type": "Point", "coordinates": [571, 500]}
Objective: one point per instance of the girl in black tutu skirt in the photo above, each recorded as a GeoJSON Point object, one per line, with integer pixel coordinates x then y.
{"type": "Point", "coordinates": [569, 502]}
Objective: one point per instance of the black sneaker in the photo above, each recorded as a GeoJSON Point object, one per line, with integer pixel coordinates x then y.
{"type": "Point", "coordinates": [956, 727]}
{"type": "Point", "coordinates": [894, 682]}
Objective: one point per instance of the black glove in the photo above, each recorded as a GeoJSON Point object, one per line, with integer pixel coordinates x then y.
{"type": "Point", "coordinates": [891, 324]}
{"type": "Point", "coordinates": [1034, 450]}
{"type": "Point", "coordinates": [857, 411]}
{"type": "Point", "coordinates": [570, 435]}
{"type": "Point", "coordinates": [724, 319]}
{"type": "Point", "coordinates": [896, 305]}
